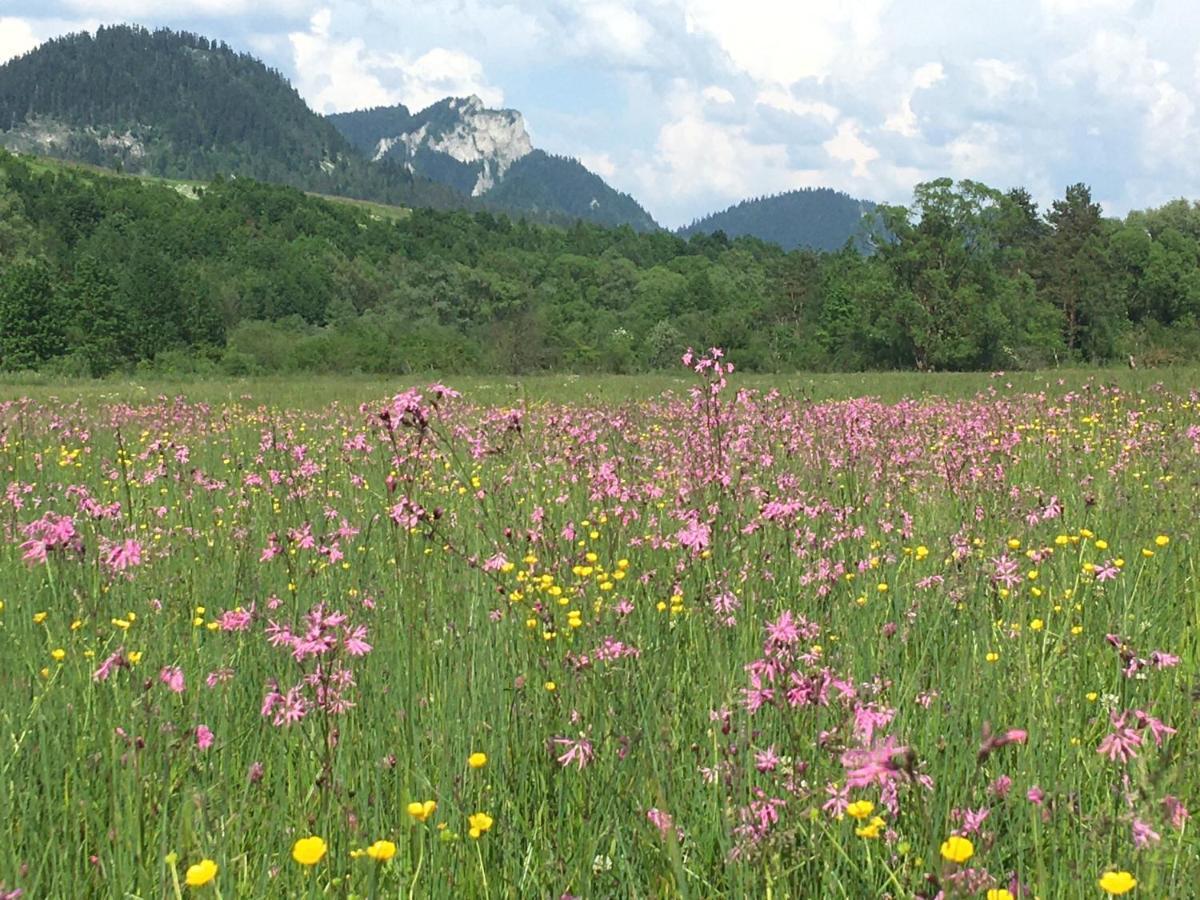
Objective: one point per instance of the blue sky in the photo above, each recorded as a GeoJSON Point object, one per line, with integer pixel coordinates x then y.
{"type": "Point", "coordinates": [691, 105]}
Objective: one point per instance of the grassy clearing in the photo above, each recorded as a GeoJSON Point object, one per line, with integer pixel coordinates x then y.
{"type": "Point", "coordinates": [685, 631]}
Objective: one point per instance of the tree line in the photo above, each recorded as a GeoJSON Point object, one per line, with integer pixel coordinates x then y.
{"type": "Point", "coordinates": [101, 273]}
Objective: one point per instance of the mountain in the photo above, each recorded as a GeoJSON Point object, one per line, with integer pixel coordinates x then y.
{"type": "Point", "coordinates": [814, 218]}
{"type": "Point", "coordinates": [178, 105]}
{"type": "Point", "coordinates": [488, 154]}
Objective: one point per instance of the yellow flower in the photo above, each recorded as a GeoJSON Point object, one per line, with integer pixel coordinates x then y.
{"type": "Point", "coordinates": [860, 809]}
{"type": "Point", "coordinates": [309, 851]}
{"type": "Point", "coordinates": [992, 656]}
{"type": "Point", "coordinates": [477, 760]}
{"type": "Point", "coordinates": [999, 894]}
{"type": "Point", "coordinates": [480, 822]}
{"type": "Point", "coordinates": [1162, 540]}
{"type": "Point", "coordinates": [201, 873]}
{"type": "Point", "coordinates": [871, 829]}
{"type": "Point", "coordinates": [1037, 625]}
{"type": "Point", "coordinates": [957, 849]}
{"type": "Point", "coordinates": [381, 851]}
{"type": "Point", "coordinates": [58, 654]}
{"type": "Point", "coordinates": [1117, 882]}
{"type": "Point", "coordinates": [550, 686]}
{"type": "Point", "coordinates": [422, 810]}
{"type": "Point", "coordinates": [39, 618]}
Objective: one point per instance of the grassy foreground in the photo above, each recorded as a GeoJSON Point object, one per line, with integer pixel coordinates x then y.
{"type": "Point", "coordinates": [768, 637]}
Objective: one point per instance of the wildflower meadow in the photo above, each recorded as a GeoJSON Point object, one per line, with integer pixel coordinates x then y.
{"type": "Point", "coordinates": [726, 640]}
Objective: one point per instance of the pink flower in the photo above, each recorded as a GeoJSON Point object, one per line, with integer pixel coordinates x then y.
{"type": "Point", "coordinates": [695, 535]}
{"type": "Point", "coordinates": [115, 661]}
{"type": "Point", "coordinates": [172, 677]}
{"type": "Point", "coordinates": [1120, 745]}
{"type": "Point", "coordinates": [1174, 810]}
{"type": "Point", "coordinates": [577, 751]}
{"type": "Point", "coordinates": [664, 823]}
{"type": "Point", "coordinates": [1143, 835]}
{"type": "Point", "coordinates": [236, 619]}
{"type": "Point", "coordinates": [766, 760]}
{"type": "Point", "coordinates": [122, 556]}
{"type": "Point", "coordinates": [204, 737]}
{"type": "Point", "coordinates": [354, 640]}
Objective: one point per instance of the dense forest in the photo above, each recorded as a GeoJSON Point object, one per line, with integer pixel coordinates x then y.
{"type": "Point", "coordinates": [817, 218]}
{"type": "Point", "coordinates": [101, 272]}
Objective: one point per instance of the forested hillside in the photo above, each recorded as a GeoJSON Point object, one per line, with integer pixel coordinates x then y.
{"type": "Point", "coordinates": [178, 105]}
{"type": "Point", "coordinates": [101, 272]}
{"type": "Point", "coordinates": [813, 218]}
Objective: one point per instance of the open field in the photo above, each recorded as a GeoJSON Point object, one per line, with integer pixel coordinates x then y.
{"type": "Point", "coordinates": [811, 636]}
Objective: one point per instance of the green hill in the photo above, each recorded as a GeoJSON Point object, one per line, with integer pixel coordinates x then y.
{"type": "Point", "coordinates": [178, 105]}
{"type": "Point", "coordinates": [813, 218]}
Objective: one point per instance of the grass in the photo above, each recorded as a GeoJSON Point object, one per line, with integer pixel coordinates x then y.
{"type": "Point", "coordinates": [189, 187]}
{"type": "Point", "coordinates": [583, 594]}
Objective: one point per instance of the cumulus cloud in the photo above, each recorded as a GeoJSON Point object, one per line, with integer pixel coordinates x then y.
{"type": "Point", "coordinates": [848, 146]}
{"type": "Point", "coordinates": [157, 10]}
{"type": "Point", "coordinates": [16, 37]}
{"type": "Point", "coordinates": [336, 74]}
{"type": "Point", "coordinates": [904, 120]}
{"type": "Point", "coordinates": [785, 43]}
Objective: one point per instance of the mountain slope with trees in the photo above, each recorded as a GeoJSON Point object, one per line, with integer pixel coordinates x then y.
{"type": "Point", "coordinates": [178, 105]}
{"type": "Point", "coordinates": [812, 218]}
{"type": "Point", "coordinates": [507, 174]}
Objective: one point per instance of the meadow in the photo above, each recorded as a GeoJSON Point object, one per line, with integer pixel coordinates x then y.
{"type": "Point", "coordinates": [697, 635]}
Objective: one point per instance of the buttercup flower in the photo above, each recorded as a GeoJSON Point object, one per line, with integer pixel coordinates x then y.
{"type": "Point", "coordinates": [480, 822]}
{"type": "Point", "coordinates": [381, 851]}
{"type": "Point", "coordinates": [957, 849]}
{"type": "Point", "coordinates": [201, 873]}
{"type": "Point", "coordinates": [1117, 883]}
{"type": "Point", "coordinates": [422, 810]}
{"type": "Point", "coordinates": [477, 760]}
{"type": "Point", "coordinates": [860, 809]}
{"type": "Point", "coordinates": [309, 851]}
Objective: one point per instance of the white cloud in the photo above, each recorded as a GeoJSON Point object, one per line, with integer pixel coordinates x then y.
{"type": "Point", "coordinates": [697, 157]}
{"type": "Point", "coordinates": [782, 100]}
{"type": "Point", "coordinates": [19, 35]}
{"type": "Point", "coordinates": [336, 74]}
{"type": "Point", "coordinates": [975, 153]}
{"type": "Point", "coordinates": [904, 120]}
{"type": "Point", "coordinates": [715, 94]}
{"type": "Point", "coordinates": [612, 29]}
{"type": "Point", "coordinates": [1137, 84]}
{"type": "Point", "coordinates": [16, 37]}
{"type": "Point", "coordinates": [848, 146]}
{"type": "Point", "coordinates": [156, 10]}
{"type": "Point", "coordinates": [1086, 7]}
{"type": "Point", "coordinates": [783, 43]}
{"type": "Point", "coordinates": [600, 163]}
{"type": "Point", "coordinates": [999, 77]}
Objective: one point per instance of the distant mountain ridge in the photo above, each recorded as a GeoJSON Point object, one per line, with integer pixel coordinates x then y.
{"type": "Point", "coordinates": [488, 154]}
{"type": "Point", "coordinates": [812, 218]}
{"type": "Point", "coordinates": [179, 105]}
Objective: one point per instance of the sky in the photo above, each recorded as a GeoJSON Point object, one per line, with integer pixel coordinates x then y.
{"type": "Point", "coordinates": [692, 105]}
